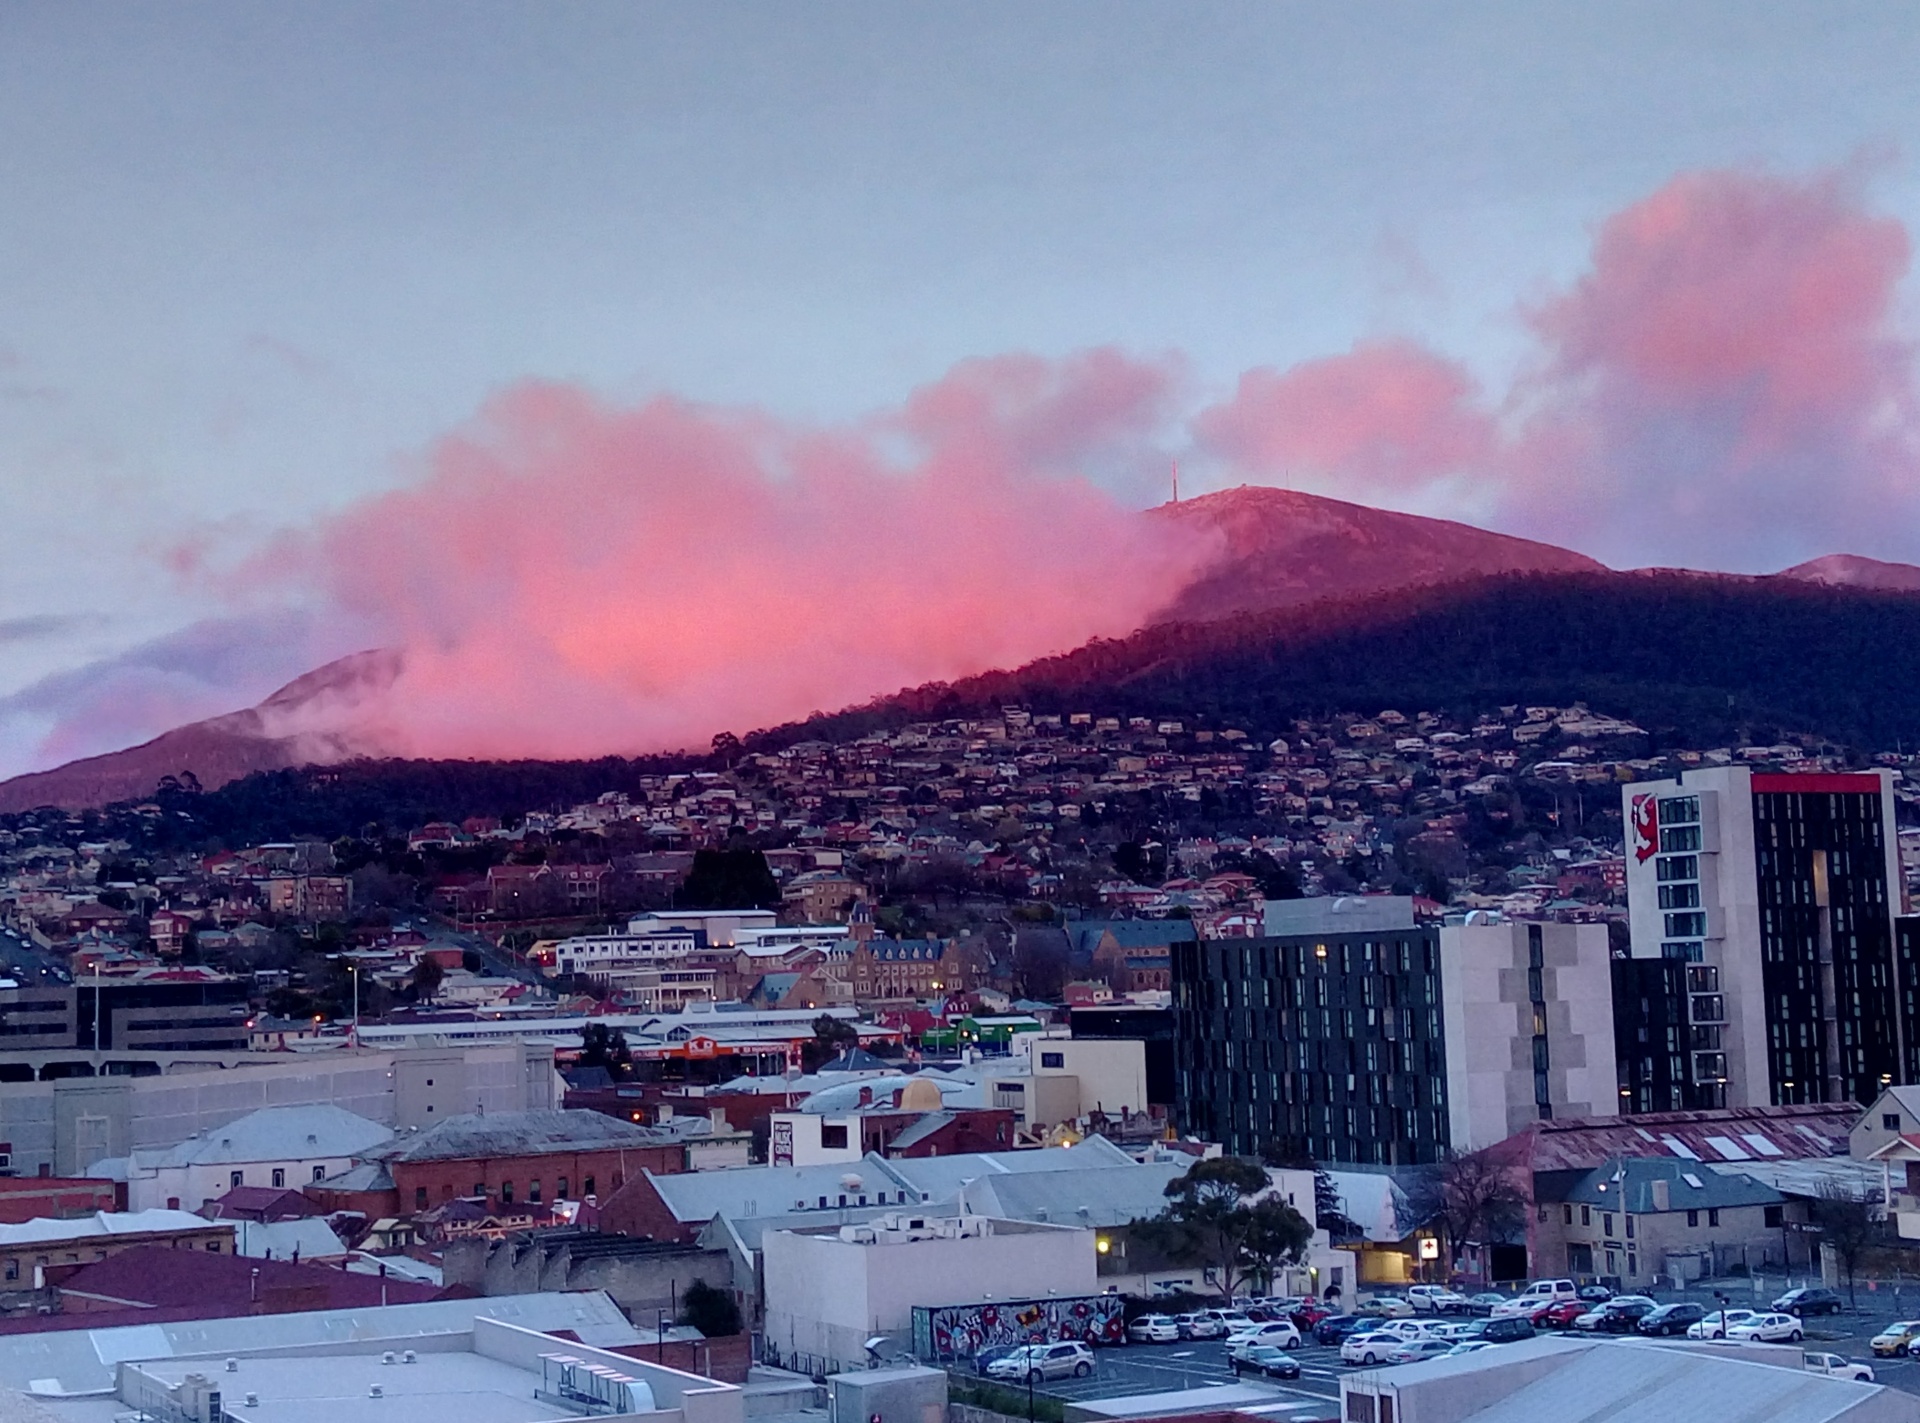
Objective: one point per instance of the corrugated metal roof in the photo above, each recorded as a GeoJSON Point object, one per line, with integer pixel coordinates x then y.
{"type": "Point", "coordinates": [1790, 1133]}
{"type": "Point", "coordinates": [1627, 1185]}
{"type": "Point", "coordinates": [487, 1134]}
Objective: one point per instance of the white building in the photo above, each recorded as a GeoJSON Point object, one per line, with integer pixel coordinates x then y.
{"type": "Point", "coordinates": [1779, 892]}
{"type": "Point", "coordinates": [1529, 1015]}
{"type": "Point", "coordinates": [280, 1147]}
{"type": "Point", "coordinates": [1049, 1080]}
{"type": "Point", "coordinates": [830, 1289]}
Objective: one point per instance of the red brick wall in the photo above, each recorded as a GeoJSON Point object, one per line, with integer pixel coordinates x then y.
{"type": "Point", "coordinates": [28, 1198]}
{"type": "Point", "coordinates": [638, 1210]}
{"type": "Point", "coordinates": [609, 1170]}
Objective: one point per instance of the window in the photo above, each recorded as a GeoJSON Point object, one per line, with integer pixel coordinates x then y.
{"type": "Point", "coordinates": [1890, 1121]}
{"type": "Point", "coordinates": [319, 1173]}
{"type": "Point", "coordinates": [1586, 1215]}
{"type": "Point", "coordinates": [506, 1193]}
{"type": "Point", "coordinates": [1679, 896]}
{"type": "Point", "coordinates": [1566, 1214]}
{"type": "Point", "coordinates": [480, 1189]}
{"type": "Point", "coordinates": [1775, 1217]}
{"type": "Point", "coordinates": [833, 1137]}
{"type": "Point", "coordinates": [236, 1178]}
{"type": "Point", "coordinates": [560, 1191]}
{"type": "Point", "coordinates": [1676, 867]}
{"type": "Point", "coordinates": [1629, 1227]}
{"type": "Point", "coordinates": [13, 1267]}
{"type": "Point", "coordinates": [213, 1247]}
{"type": "Point", "coordinates": [1680, 810]}
{"type": "Point", "coordinates": [1713, 1217]}
{"type": "Point", "coordinates": [279, 1176]}
{"type": "Point", "coordinates": [1682, 838]}
{"type": "Point", "coordinates": [1606, 1223]}
{"type": "Point", "coordinates": [586, 1189]}
{"type": "Point", "coordinates": [1686, 926]}
{"type": "Point", "coordinates": [533, 1192]}
{"type": "Point", "coordinates": [419, 1198]}
{"type": "Point", "coordinates": [1053, 1059]}
{"type": "Point", "coordinates": [1693, 1220]}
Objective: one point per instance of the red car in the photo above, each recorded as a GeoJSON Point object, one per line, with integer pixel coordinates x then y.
{"type": "Point", "coordinates": [1561, 1315]}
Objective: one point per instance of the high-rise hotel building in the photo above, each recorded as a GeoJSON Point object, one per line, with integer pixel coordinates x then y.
{"type": "Point", "coordinates": [1766, 966]}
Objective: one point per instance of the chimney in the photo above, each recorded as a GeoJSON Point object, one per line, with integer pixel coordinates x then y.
{"type": "Point", "coordinates": [866, 1096]}
{"type": "Point", "coordinates": [1663, 1195]}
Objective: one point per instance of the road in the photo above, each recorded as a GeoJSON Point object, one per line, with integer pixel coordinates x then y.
{"type": "Point", "coordinates": [29, 964]}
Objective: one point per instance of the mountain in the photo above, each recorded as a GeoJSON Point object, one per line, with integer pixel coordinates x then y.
{"type": "Point", "coordinates": [1290, 578]}
{"type": "Point", "coordinates": [1850, 570]}
{"type": "Point", "coordinates": [1281, 549]}
{"type": "Point", "coordinates": [1696, 659]}
{"type": "Point", "coordinates": [299, 724]}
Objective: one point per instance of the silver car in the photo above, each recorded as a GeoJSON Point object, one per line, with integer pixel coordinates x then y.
{"type": "Point", "coordinates": [1044, 1361]}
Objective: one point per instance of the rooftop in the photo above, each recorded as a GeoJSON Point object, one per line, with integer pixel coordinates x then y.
{"type": "Point", "coordinates": [101, 1223]}
{"type": "Point", "coordinates": [487, 1134]}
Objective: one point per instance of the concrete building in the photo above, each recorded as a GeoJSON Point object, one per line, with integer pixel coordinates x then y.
{"type": "Point", "coordinates": [1390, 1045]}
{"type": "Point", "coordinates": [95, 1107]}
{"type": "Point", "coordinates": [159, 1010]}
{"type": "Point", "coordinates": [520, 1359]}
{"type": "Point", "coordinates": [830, 1289]}
{"type": "Point", "coordinates": [1775, 896]}
{"type": "Point", "coordinates": [1529, 1013]}
{"type": "Point", "coordinates": [1050, 1080]}
{"type": "Point", "coordinates": [646, 1278]}
{"type": "Point", "coordinates": [277, 1147]}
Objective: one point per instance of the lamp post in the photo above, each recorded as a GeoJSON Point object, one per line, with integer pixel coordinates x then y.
{"type": "Point", "coordinates": [353, 1038]}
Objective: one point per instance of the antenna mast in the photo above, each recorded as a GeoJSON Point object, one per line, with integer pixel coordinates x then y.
{"type": "Point", "coordinates": [1176, 481]}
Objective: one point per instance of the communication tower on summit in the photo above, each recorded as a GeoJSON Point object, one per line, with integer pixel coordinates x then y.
{"type": "Point", "coordinates": [1176, 481]}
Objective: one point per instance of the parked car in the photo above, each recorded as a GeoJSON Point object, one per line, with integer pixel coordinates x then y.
{"type": "Point", "coordinates": [1618, 1315]}
{"type": "Point", "coordinates": [1278, 1335]}
{"type": "Point", "coordinates": [1836, 1367]}
{"type": "Point", "coordinates": [1368, 1349]}
{"type": "Point", "coordinates": [1388, 1307]}
{"type": "Point", "coordinates": [1203, 1324]}
{"type": "Point", "coordinates": [1414, 1350]}
{"type": "Point", "coordinates": [1435, 1299]}
{"type": "Point", "coordinates": [1769, 1329]}
{"type": "Point", "coordinates": [992, 1354]}
{"type": "Point", "coordinates": [1336, 1328]}
{"type": "Point", "coordinates": [1308, 1313]}
{"type": "Point", "coordinates": [1503, 1331]}
{"type": "Point", "coordinates": [1595, 1294]}
{"type": "Point", "coordinates": [1558, 1315]}
{"type": "Point", "coordinates": [1672, 1318]}
{"type": "Point", "coordinates": [1037, 1362]}
{"type": "Point", "coordinates": [1486, 1302]}
{"type": "Point", "coordinates": [1465, 1329]}
{"type": "Point", "coordinates": [1229, 1320]}
{"type": "Point", "coordinates": [1267, 1361]}
{"type": "Point", "coordinates": [1466, 1346]}
{"type": "Point", "coordinates": [1809, 1301]}
{"type": "Point", "coordinates": [1153, 1329]}
{"type": "Point", "coordinates": [1537, 1294]}
{"type": "Point", "coordinates": [1892, 1342]}
{"type": "Point", "coordinates": [1716, 1325]}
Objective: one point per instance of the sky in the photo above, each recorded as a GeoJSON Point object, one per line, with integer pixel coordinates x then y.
{"type": "Point", "coordinates": [581, 345]}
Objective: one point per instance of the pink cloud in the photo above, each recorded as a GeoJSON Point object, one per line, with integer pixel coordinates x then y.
{"type": "Point", "coordinates": [575, 578]}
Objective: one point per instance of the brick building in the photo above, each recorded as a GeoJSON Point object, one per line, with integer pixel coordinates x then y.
{"type": "Point", "coordinates": [524, 1158]}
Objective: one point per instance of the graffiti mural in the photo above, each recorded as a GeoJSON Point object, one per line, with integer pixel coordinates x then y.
{"type": "Point", "coordinates": [959, 1331]}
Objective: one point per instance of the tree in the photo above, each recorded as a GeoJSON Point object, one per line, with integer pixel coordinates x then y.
{"type": "Point", "coordinates": [729, 879]}
{"type": "Point", "coordinates": [1207, 1217]}
{"type": "Point", "coordinates": [1472, 1197]}
{"type": "Point", "coordinates": [831, 1036]}
{"type": "Point", "coordinates": [1330, 1208]}
{"type": "Point", "coordinates": [1276, 1235]}
{"type": "Point", "coordinates": [601, 1046]}
{"type": "Point", "coordinates": [428, 975]}
{"type": "Point", "coordinates": [711, 1311]}
{"type": "Point", "coordinates": [1846, 1224]}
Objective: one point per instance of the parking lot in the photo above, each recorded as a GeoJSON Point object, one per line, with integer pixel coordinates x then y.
{"type": "Point", "coordinates": [1166, 1368]}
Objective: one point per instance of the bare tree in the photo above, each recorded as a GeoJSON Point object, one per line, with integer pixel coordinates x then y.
{"type": "Point", "coordinates": [1846, 1222]}
{"type": "Point", "coordinates": [1473, 1199]}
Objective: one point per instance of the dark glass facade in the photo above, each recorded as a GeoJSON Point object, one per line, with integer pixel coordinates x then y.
{"type": "Point", "coordinates": [1654, 1036]}
{"type": "Point", "coordinates": [1328, 1046]}
{"type": "Point", "coordinates": [1834, 1030]}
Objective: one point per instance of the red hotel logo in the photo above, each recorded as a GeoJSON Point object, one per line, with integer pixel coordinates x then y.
{"type": "Point", "coordinates": [1646, 826]}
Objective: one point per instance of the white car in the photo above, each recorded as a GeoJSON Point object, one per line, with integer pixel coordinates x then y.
{"type": "Point", "coordinates": [1435, 1299]}
{"type": "Point", "coordinates": [1387, 1307]}
{"type": "Point", "coordinates": [1154, 1329]}
{"type": "Point", "coordinates": [1716, 1325]}
{"type": "Point", "coordinates": [1835, 1366]}
{"type": "Point", "coordinates": [1463, 1329]}
{"type": "Point", "coordinates": [1537, 1296]}
{"type": "Point", "coordinates": [1466, 1346]}
{"type": "Point", "coordinates": [1769, 1329]}
{"type": "Point", "coordinates": [1036, 1362]}
{"type": "Point", "coordinates": [1280, 1334]}
{"type": "Point", "coordinates": [1200, 1325]}
{"type": "Point", "coordinates": [1368, 1349]}
{"type": "Point", "coordinates": [1414, 1350]}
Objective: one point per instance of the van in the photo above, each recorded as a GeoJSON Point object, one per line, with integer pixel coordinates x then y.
{"type": "Point", "coordinates": [1538, 1296]}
